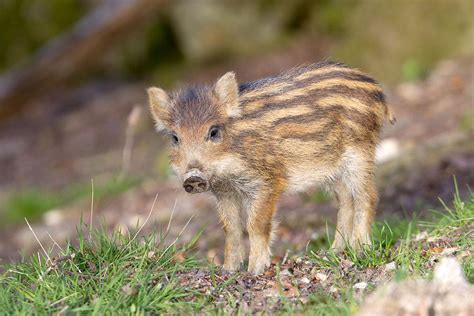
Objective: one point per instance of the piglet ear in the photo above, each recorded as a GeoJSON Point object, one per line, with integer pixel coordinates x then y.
{"type": "Point", "coordinates": [227, 91]}
{"type": "Point", "coordinates": [160, 104]}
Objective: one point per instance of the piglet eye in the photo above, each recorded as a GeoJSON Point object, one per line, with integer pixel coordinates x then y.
{"type": "Point", "coordinates": [214, 133]}
{"type": "Point", "coordinates": [175, 139]}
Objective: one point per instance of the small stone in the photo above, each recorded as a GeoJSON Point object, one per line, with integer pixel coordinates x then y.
{"type": "Point", "coordinates": [360, 285]}
{"type": "Point", "coordinates": [421, 236]}
{"type": "Point", "coordinates": [345, 263]}
{"type": "Point", "coordinates": [321, 276]}
{"type": "Point", "coordinates": [305, 280]}
{"type": "Point", "coordinates": [332, 289]}
{"type": "Point", "coordinates": [129, 290]}
{"type": "Point", "coordinates": [390, 266]}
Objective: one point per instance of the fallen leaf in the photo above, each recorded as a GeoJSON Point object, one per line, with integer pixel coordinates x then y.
{"type": "Point", "coordinates": [436, 250]}
{"type": "Point", "coordinates": [292, 292]}
{"type": "Point", "coordinates": [179, 257]}
{"type": "Point", "coordinates": [276, 259]}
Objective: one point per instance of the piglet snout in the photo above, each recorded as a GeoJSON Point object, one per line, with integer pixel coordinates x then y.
{"type": "Point", "coordinates": [195, 182]}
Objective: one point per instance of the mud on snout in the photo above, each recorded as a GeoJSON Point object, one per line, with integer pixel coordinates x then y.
{"type": "Point", "coordinates": [195, 181]}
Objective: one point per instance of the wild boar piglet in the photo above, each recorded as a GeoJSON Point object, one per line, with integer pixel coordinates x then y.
{"type": "Point", "coordinates": [315, 125]}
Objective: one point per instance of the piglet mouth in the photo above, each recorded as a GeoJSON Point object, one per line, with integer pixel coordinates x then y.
{"type": "Point", "coordinates": [195, 182]}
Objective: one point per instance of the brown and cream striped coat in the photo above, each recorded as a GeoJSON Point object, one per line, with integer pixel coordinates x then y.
{"type": "Point", "coordinates": [315, 125]}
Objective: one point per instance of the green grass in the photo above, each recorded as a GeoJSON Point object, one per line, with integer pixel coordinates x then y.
{"type": "Point", "coordinates": [395, 243]}
{"type": "Point", "coordinates": [108, 274]}
{"type": "Point", "coordinates": [124, 274]}
{"type": "Point", "coordinates": [320, 197]}
{"type": "Point", "coordinates": [32, 203]}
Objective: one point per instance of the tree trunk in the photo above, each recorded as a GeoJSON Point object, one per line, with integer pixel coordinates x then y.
{"type": "Point", "coordinates": [66, 55]}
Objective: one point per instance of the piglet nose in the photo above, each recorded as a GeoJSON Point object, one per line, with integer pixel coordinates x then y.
{"type": "Point", "coordinates": [195, 185]}
{"type": "Point", "coordinates": [195, 182]}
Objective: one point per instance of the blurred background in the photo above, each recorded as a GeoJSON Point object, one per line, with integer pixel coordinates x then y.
{"type": "Point", "coordinates": [73, 75]}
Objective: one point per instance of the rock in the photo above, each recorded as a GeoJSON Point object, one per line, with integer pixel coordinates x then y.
{"type": "Point", "coordinates": [321, 276]}
{"type": "Point", "coordinates": [448, 273]}
{"type": "Point", "coordinates": [447, 294]}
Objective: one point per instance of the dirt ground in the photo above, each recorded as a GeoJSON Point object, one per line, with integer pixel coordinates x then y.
{"type": "Point", "coordinates": [82, 134]}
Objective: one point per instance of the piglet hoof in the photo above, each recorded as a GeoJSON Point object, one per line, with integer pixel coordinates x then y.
{"type": "Point", "coordinates": [339, 245]}
{"type": "Point", "coordinates": [360, 244]}
{"type": "Point", "coordinates": [259, 266]}
{"type": "Point", "coordinates": [232, 267]}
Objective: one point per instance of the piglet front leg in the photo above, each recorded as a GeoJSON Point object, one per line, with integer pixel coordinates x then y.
{"type": "Point", "coordinates": [229, 207]}
{"type": "Point", "coordinates": [260, 227]}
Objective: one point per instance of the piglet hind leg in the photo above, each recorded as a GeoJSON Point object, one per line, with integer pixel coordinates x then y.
{"type": "Point", "coordinates": [260, 226]}
{"type": "Point", "coordinates": [345, 216]}
{"type": "Point", "coordinates": [358, 179]}
{"type": "Point", "coordinates": [365, 203]}
{"type": "Point", "coordinates": [229, 207]}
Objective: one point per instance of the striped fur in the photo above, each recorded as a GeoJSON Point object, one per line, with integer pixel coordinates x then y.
{"type": "Point", "coordinates": [312, 125]}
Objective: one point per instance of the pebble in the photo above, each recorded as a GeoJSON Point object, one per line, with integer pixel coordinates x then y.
{"type": "Point", "coordinates": [360, 285]}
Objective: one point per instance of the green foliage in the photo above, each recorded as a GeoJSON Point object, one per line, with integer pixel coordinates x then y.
{"type": "Point", "coordinates": [117, 274]}
{"type": "Point", "coordinates": [403, 39]}
{"type": "Point", "coordinates": [27, 24]}
{"type": "Point", "coordinates": [31, 203]}
{"type": "Point", "coordinates": [396, 40]}
{"type": "Point", "coordinates": [467, 120]}
{"type": "Point", "coordinates": [104, 275]}
{"type": "Point", "coordinates": [393, 242]}
{"type": "Point", "coordinates": [332, 16]}
{"type": "Point", "coordinates": [322, 303]}
{"type": "Point", "coordinates": [155, 50]}
{"type": "Point", "coordinates": [320, 197]}
{"type": "Point", "coordinates": [412, 70]}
